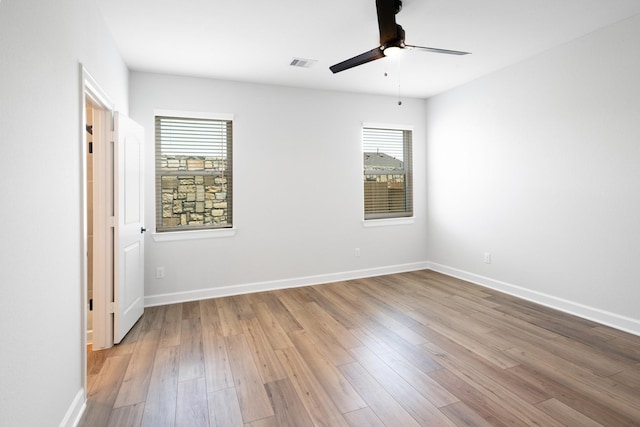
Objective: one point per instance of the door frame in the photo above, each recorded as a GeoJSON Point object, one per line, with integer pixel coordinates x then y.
{"type": "Point", "coordinates": [91, 92]}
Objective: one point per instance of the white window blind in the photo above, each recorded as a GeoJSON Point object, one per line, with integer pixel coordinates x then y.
{"type": "Point", "coordinates": [193, 173]}
{"type": "Point", "coordinates": [388, 178]}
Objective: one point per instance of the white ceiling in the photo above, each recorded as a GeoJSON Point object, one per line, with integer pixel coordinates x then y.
{"type": "Point", "coordinates": [255, 40]}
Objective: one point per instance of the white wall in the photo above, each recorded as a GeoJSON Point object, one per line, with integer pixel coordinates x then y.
{"type": "Point", "coordinates": [539, 164]}
{"type": "Point", "coordinates": [297, 190]}
{"type": "Point", "coordinates": [41, 46]}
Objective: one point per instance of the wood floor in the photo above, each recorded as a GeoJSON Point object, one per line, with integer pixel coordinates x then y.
{"type": "Point", "coordinates": [404, 350]}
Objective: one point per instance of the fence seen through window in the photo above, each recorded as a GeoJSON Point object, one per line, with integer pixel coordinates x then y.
{"type": "Point", "coordinates": [388, 187]}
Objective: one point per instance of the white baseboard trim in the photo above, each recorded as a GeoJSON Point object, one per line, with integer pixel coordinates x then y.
{"type": "Point", "coordinates": [75, 411]}
{"type": "Point", "coordinates": [223, 291]}
{"type": "Point", "coordinates": [603, 317]}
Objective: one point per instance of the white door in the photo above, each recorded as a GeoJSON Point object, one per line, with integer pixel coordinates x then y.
{"type": "Point", "coordinates": [129, 228]}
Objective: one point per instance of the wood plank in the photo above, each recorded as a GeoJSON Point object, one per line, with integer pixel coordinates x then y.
{"type": "Point", "coordinates": [378, 311]}
{"type": "Point", "coordinates": [475, 368]}
{"type": "Point", "coordinates": [323, 337]}
{"type": "Point", "coordinates": [462, 415]}
{"type": "Point", "coordinates": [332, 306]}
{"type": "Point", "coordinates": [253, 399]}
{"type": "Point", "coordinates": [571, 397]}
{"type": "Point", "coordinates": [315, 399]}
{"type": "Point", "coordinates": [263, 355]}
{"type": "Point", "coordinates": [264, 422]}
{"type": "Point", "coordinates": [423, 411]}
{"type": "Point", "coordinates": [473, 343]}
{"type": "Point", "coordinates": [502, 394]}
{"type": "Point", "coordinates": [333, 296]}
{"type": "Point", "coordinates": [414, 354]}
{"type": "Point", "coordinates": [229, 317]}
{"type": "Point", "coordinates": [280, 312]}
{"type": "Point", "coordinates": [630, 377]}
{"type": "Point", "coordinates": [126, 416]}
{"type": "Point", "coordinates": [340, 391]}
{"type": "Point", "coordinates": [386, 408]}
{"type": "Point", "coordinates": [191, 350]}
{"type": "Point", "coordinates": [293, 299]}
{"type": "Point", "coordinates": [242, 306]}
{"type": "Point", "coordinates": [171, 326]}
{"type": "Point", "coordinates": [95, 360]}
{"type": "Point", "coordinates": [103, 391]}
{"type": "Point", "coordinates": [160, 406]}
{"type": "Point", "coordinates": [566, 415]}
{"type": "Point", "coordinates": [595, 358]}
{"type": "Point", "coordinates": [136, 381]}
{"type": "Point", "coordinates": [384, 302]}
{"type": "Point", "coordinates": [363, 417]}
{"type": "Point", "coordinates": [224, 408]}
{"type": "Point", "coordinates": [342, 335]}
{"type": "Point", "coordinates": [192, 407]}
{"type": "Point", "coordinates": [624, 400]}
{"type": "Point", "coordinates": [493, 412]}
{"type": "Point", "coordinates": [209, 317]}
{"type": "Point", "coordinates": [418, 379]}
{"type": "Point", "coordinates": [274, 331]}
{"type": "Point", "coordinates": [151, 319]}
{"type": "Point", "coordinates": [191, 310]}
{"type": "Point", "coordinates": [287, 405]}
{"type": "Point", "coordinates": [450, 284]}
{"type": "Point", "coordinates": [389, 289]}
{"type": "Point", "coordinates": [217, 369]}
{"type": "Point", "coordinates": [552, 320]}
{"type": "Point", "coordinates": [132, 336]}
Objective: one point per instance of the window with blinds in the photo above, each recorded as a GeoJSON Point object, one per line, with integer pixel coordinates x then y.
{"type": "Point", "coordinates": [388, 183]}
{"type": "Point", "coordinates": [193, 173]}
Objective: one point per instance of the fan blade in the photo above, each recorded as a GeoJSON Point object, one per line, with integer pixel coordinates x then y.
{"type": "Point", "coordinates": [387, 10]}
{"type": "Point", "coordinates": [436, 50]}
{"type": "Point", "coordinates": [363, 58]}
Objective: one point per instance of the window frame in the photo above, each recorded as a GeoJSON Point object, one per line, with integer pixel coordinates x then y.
{"type": "Point", "coordinates": [405, 216]}
{"type": "Point", "coordinates": [197, 231]}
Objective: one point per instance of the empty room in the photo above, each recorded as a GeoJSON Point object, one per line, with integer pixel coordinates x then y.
{"type": "Point", "coordinates": [299, 213]}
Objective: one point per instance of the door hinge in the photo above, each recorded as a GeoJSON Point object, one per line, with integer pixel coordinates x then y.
{"type": "Point", "coordinates": [111, 307]}
{"type": "Point", "coordinates": [111, 221]}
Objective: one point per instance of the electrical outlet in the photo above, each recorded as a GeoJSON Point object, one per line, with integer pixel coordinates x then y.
{"type": "Point", "coordinates": [159, 272]}
{"type": "Point", "coordinates": [356, 252]}
{"type": "Point", "coordinates": [487, 258]}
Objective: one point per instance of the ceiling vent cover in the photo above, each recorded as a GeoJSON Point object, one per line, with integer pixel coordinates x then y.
{"type": "Point", "coordinates": [303, 63]}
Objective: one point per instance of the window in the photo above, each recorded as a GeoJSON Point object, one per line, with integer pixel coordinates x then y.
{"type": "Point", "coordinates": [388, 187]}
{"type": "Point", "coordinates": [193, 173]}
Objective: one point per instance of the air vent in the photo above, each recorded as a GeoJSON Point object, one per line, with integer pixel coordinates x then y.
{"type": "Point", "coordinates": [303, 63]}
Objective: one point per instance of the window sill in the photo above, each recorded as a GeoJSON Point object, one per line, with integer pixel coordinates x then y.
{"type": "Point", "coordinates": [387, 222]}
{"type": "Point", "coordinates": [173, 236]}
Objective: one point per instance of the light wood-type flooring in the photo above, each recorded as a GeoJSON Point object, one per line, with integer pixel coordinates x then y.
{"type": "Point", "coordinates": [410, 349]}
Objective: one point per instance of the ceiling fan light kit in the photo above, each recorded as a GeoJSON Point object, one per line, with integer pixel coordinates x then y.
{"type": "Point", "coordinates": [391, 38]}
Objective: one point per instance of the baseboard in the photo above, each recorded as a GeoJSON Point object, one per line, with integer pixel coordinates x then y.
{"type": "Point", "coordinates": [613, 320]}
{"type": "Point", "coordinates": [223, 291]}
{"type": "Point", "coordinates": [75, 411]}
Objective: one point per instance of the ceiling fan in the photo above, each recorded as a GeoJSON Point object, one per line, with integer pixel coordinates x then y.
{"type": "Point", "coordinates": [391, 38]}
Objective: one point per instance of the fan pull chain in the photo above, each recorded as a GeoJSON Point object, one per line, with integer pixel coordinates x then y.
{"type": "Point", "coordinates": [399, 96]}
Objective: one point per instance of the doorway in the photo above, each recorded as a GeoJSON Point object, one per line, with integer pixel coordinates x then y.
{"type": "Point", "coordinates": [97, 207]}
{"type": "Point", "coordinates": [113, 213]}
{"type": "Point", "coordinates": [89, 212]}
{"type": "Point", "coordinates": [99, 196]}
